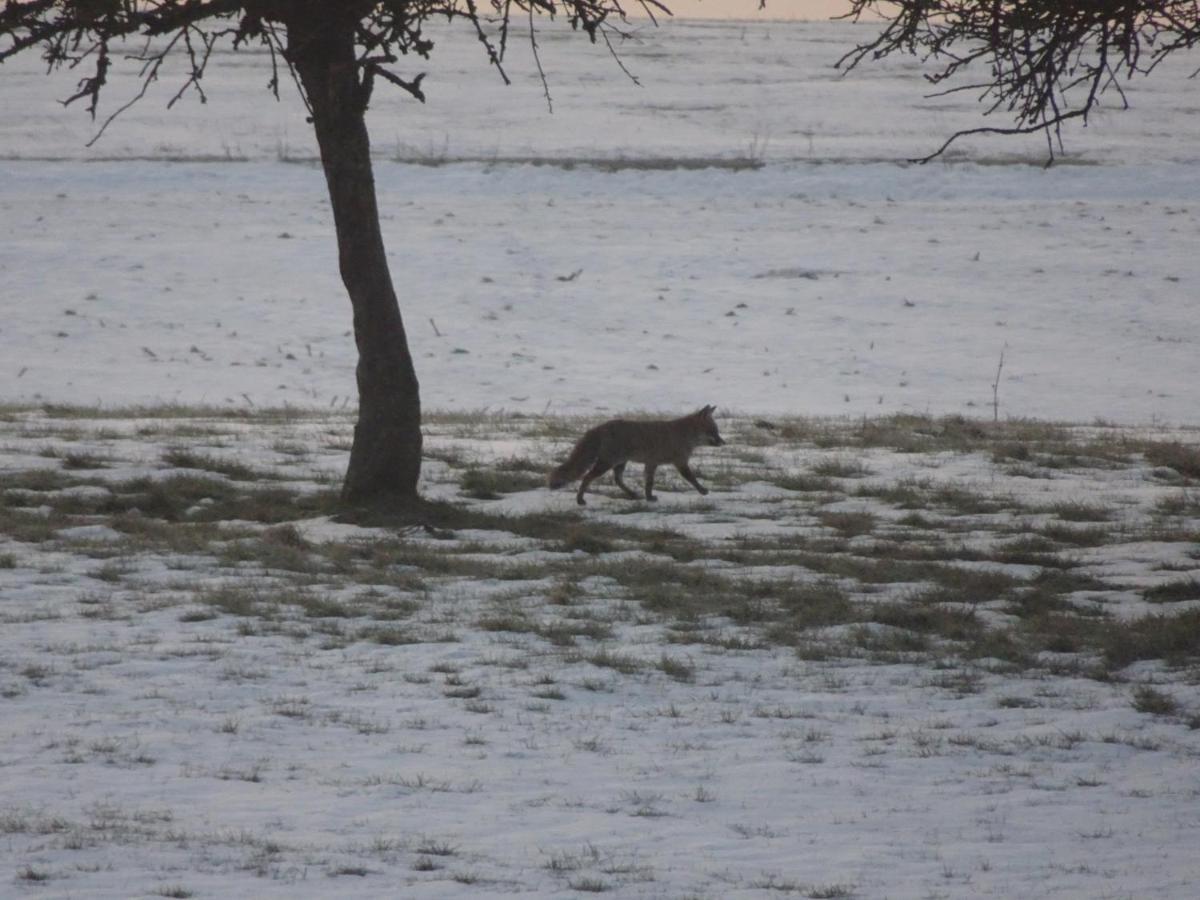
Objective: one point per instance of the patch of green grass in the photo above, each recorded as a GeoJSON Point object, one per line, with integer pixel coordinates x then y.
{"type": "Point", "coordinates": [167, 498]}
{"type": "Point", "coordinates": [889, 643]}
{"type": "Point", "coordinates": [322, 606]}
{"type": "Point", "coordinates": [112, 572]}
{"type": "Point", "coordinates": [1075, 537]}
{"type": "Point", "coordinates": [670, 588]}
{"type": "Point", "coordinates": [907, 493]}
{"type": "Point", "coordinates": [271, 506]}
{"type": "Point", "coordinates": [956, 584]}
{"type": "Point", "coordinates": [963, 502]}
{"type": "Point", "coordinates": [186, 458]}
{"type": "Point", "coordinates": [579, 536]}
{"type": "Point", "coordinates": [841, 468]}
{"type": "Point", "coordinates": [512, 621]}
{"type": "Point", "coordinates": [1015, 702]}
{"type": "Point", "coordinates": [1080, 511]}
{"type": "Point", "coordinates": [398, 563]}
{"type": "Point", "coordinates": [935, 621]}
{"type": "Point", "coordinates": [174, 891]}
{"type": "Point", "coordinates": [908, 547]}
{"type": "Point", "coordinates": [1186, 534]}
{"type": "Point", "coordinates": [848, 524]}
{"type": "Point", "coordinates": [29, 526]}
{"type": "Point", "coordinates": [805, 483]}
{"type": "Point", "coordinates": [388, 635]}
{"type": "Point", "coordinates": [1065, 581]}
{"type": "Point", "coordinates": [198, 615]}
{"type": "Point", "coordinates": [565, 632]}
{"type": "Point", "coordinates": [807, 605]}
{"type": "Point", "coordinates": [909, 433]}
{"type": "Point", "coordinates": [589, 885]}
{"type": "Point", "coordinates": [78, 460]}
{"type": "Point", "coordinates": [490, 484]}
{"type": "Point", "coordinates": [1001, 644]}
{"type": "Point", "coordinates": [1011, 451]}
{"type": "Point", "coordinates": [1027, 471]}
{"type": "Point", "coordinates": [1183, 503]}
{"type": "Point", "coordinates": [1172, 638]}
{"type": "Point", "coordinates": [260, 414]}
{"type": "Point", "coordinates": [918, 522]}
{"type": "Point", "coordinates": [239, 600]}
{"type": "Point", "coordinates": [680, 670]}
{"type": "Point", "coordinates": [1048, 592]}
{"type": "Point", "coordinates": [358, 871]}
{"type": "Point", "coordinates": [1173, 591]}
{"type": "Point", "coordinates": [436, 847]}
{"type": "Point", "coordinates": [1058, 631]}
{"type": "Point", "coordinates": [279, 548]}
{"type": "Point", "coordinates": [1154, 702]}
{"type": "Point", "coordinates": [605, 658]}
{"type": "Point", "coordinates": [41, 480]}
{"type": "Point", "coordinates": [1028, 550]}
{"type": "Point", "coordinates": [830, 891]}
{"type": "Point", "coordinates": [924, 494]}
{"type": "Point", "coordinates": [1182, 458]}
{"type": "Point", "coordinates": [562, 531]}
{"type": "Point", "coordinates": [202, 498]}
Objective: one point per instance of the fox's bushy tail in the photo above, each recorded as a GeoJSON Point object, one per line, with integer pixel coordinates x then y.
{"type": "Point", "coordinates": [582, 456]}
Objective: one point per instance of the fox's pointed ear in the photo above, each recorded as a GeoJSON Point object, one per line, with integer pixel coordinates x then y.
{"type": "Point", "coordinates": [709, 410]}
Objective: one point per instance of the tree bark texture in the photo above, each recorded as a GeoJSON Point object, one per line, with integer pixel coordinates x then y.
{"type": "Point", "coordinates": [385, 459]}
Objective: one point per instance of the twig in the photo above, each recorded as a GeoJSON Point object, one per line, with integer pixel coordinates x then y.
{"type": "Point", "coordinates": [996, 387]}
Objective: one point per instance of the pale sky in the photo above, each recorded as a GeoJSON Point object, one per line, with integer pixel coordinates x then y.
{"type": "Point", "coordinates": [748, 9]}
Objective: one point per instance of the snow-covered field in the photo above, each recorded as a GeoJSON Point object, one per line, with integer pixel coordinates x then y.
{"type": "Point", "coordinates": [885, 657]}
{"type": "Point", "coordinates": [189, 260]}
{"type": "Point", "coordinates": [852, 670]}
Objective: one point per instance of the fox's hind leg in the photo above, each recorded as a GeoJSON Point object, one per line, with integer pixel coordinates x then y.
{"type": "Point", "coordinates": [598, 469]}
{"type": "Point", "coordinates": [650, 467]}
{"type": "Point", "coordinates": [686, 471]}
{"type": "Point", "coordinates": [618, 471]}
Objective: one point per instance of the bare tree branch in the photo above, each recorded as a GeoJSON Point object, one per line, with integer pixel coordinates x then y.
{"type": "Point", "coordinates": [1046, 61]}
{"type": "Point", "coordinates": [84, 33]}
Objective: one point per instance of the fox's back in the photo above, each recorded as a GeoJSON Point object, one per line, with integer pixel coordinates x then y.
{"type": "Point", "coordinates": [647, 442]}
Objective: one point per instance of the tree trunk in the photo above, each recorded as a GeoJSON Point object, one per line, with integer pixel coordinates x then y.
{"type": "Point", "coordinates": [385, 459]}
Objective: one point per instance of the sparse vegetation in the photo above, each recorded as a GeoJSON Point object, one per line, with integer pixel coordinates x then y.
{"type": "Point", "coordinates": [1174, 591]}
{"type": "Point", "coordinates": [488, 484]}
{"type": "Point", "coordinates": [754, 613]}
{"type": "Point", "coordinates": [1150, 700]}
{"type": "Point", "coordinates": [1182, 459]}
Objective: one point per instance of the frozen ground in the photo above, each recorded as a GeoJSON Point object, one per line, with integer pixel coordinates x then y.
{"type": "Point", "coordinates": [889, 657]}
{"type": "Point", "coordinates": [191, 258]}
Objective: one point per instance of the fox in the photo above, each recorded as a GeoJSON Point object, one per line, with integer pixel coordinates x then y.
{"type": "Point", "coordinates": [616, 442]}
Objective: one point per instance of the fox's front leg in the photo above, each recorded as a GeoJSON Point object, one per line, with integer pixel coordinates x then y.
{"type": "Point", "coordinates": [686, 471]}
{"type": "Point", "coordinates": [618, 471]}
{"type": "Point", "coordinates": [650, 482]}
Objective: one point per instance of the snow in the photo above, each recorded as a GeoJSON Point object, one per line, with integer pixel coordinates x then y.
{"type": "Point", "coordinates": [188, 257]}
{"type": "Point", "coordinates": [152, 746]}
{"type": "Point", "coordinates": [187, 262]}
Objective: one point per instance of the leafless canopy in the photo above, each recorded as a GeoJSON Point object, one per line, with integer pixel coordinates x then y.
{"type": "Point", "coordinates": [1039, 62]}
{"type": "Point", "coordinates": [85, 34]}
